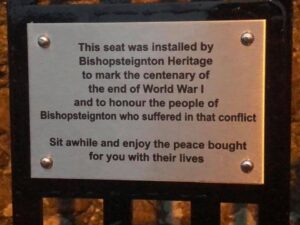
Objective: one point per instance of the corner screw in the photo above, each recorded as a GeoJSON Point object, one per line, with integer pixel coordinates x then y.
{"type": "Point", "coordinates": [47, 162]}
{"type": "Point", "coordinates": [247, 38]}
{"type": "Point", "coordinates": [44, 41]}
{"type": "Point", "coordinates": [247, 166]}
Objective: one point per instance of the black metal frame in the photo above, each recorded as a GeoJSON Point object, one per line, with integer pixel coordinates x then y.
{"type": "Point", "coordinates": [272, 197]}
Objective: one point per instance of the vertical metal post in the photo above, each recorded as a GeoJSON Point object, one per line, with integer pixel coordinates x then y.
{"type": "Point", "coordinates": [205, 211]}
{"type": "Point", "coordinates": [117, 210]}
{"type": "Point", "coordinates": [27, 209]}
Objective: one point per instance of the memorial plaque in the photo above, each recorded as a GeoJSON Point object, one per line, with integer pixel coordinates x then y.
{"type": "Point", "coordinates": [148, 101]}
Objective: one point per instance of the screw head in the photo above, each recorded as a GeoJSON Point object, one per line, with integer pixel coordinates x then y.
{"type": "Point", "coordinates": [247, 166]}
{"type": "Point", "coordinates": [247, 38]}
{"type": "Point", "coordinates": [44, 41]}
{"type": "Point", "coordinates": [47, 162]}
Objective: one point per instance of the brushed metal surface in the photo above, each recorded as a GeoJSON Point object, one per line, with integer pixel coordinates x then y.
{"type": "Point", "coordinates": [224, 79]}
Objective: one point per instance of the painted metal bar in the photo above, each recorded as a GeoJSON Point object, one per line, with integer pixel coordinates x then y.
{"type": "Point", "coordinates": [117, 210]}
{"type": "Point", "coordinates": [205, 211]}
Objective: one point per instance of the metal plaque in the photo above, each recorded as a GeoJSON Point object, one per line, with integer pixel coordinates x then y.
{"type": "Point", "coordinates": [148, 101]}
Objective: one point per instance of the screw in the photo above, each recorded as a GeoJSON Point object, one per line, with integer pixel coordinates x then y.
{"type": "Point", "coordinates": [47, 162]}
{"type": "Point", "coordinates": [247, 38]}
{"type": "Point", "coordinates": [247, 166]}
{"type": "Point", "coordinates": [44, 41]}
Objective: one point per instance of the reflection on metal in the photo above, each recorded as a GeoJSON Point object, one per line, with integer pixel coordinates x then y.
{"type": "Point", "coordinates": [47, 162]}
{"type": "Point", "coordinates": [247, 38]}
{"type": "Point", "coordinates": [44, 41]}
{"type": "Point", "coordinates": [247, 166]}
{"type": "Point", "coordinates": [239, 213]}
